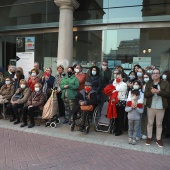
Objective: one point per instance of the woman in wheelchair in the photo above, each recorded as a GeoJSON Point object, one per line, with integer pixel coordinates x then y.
{"type": "Point", "coordinates": [86, 100]}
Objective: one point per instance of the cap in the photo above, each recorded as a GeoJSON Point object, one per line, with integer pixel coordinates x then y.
{"type": "Point", "coordinates": [87, 83]}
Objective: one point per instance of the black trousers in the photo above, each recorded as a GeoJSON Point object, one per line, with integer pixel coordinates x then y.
{"type": "Point", "coordinates": [119, 122]}
{"type": "Point", "coordinates": [13, 110]}
{"type": "Point", "coordinates": [60, 105]}
{"type": "Point", "coordinates": [30, 112]}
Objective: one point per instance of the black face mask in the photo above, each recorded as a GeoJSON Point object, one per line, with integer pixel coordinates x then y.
{"type": "Point", "coordinates": [69, 73]}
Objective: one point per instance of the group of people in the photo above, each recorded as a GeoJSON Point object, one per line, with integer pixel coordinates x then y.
{"type": "Point", "coordinates": [141, 96]}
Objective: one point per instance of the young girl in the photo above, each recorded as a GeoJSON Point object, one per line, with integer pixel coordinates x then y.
{"type": "Point", "coordinates": [134, 110]}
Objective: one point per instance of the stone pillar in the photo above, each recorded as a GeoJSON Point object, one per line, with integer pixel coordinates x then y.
{"type": "Point", "coordinates": [1, 64]}
{"type": "Point", "coordinates": [65, 37]}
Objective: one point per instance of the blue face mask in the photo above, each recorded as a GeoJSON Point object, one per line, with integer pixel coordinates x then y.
{"type": "Point", "coordinates": [93, 73]}
{"type": "Point", "coordinates": [146, 80]}
{"type": "Point", "coordinates": [139, 74]}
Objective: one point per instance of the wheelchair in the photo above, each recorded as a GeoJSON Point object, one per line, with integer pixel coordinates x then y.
{"type": "Point", "coordinates": [88, 120]}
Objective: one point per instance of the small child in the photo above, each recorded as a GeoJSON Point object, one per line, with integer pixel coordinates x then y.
{"type": "Point", "coordinates": [134, 110]}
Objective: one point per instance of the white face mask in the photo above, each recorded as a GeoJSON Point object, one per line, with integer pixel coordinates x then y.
{"type": "Point", "coordinates": [131, 77]}
{"type": "Point", "coordinates": [104, 67]}
{"type": "Point", "coordinates": [135, 86]}
{"type": "Point", "coordinates": [7, 82]}
{"type": "Point", "coordinates": [23, 86]}
{"type": "Point", "coordinates": [134, 97]}
{"type": "Point", "coordinates": [164, 77]}
{"type": "Point", "coordinates": [76, 70]}
{"type": "Point", "coordinates": [146, 80]}
{"type": "Point", "coordinates": [93, 73]}
{"type": "Point", "coordinates": [139, 74]}
{"type": "Point", "coordinates": [33, 74]}
{"type": "Point", "coordinates": [37, 89]}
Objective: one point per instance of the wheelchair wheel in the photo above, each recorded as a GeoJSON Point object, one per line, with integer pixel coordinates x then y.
{"type": "Point", "coordinates": [78, 119]}
{"type": "Point", "coordinates": [53, 125]}
{"type": "Point", "coordinates": [47, 124]}
{"type": "Point", "coordinates": [87, 129]}
{"type": "Point", "coordinates": [96, 116]}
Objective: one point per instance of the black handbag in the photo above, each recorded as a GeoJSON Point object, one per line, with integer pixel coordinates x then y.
{"type": "Point", "coordinates": [18, 96]}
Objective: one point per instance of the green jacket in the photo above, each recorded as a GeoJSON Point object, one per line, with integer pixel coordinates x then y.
{"type": "Point", "coordinates": [73, 85]}
{"type": "Point", "coordinates": [164, 93]}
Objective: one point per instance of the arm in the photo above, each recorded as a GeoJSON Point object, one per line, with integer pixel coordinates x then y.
{"type": "Point", "coordinates": [164, 92]}
{"type": "Point", "coordinates": [25, 97]}
{"type": "Point", "coordinates": [128, 109]}
{"type": "Point", "coordinates": [74, 86]}
{"type": "Point", "coordinates": [40, 102]}
{"type": "Point", "coordinates": [82, 78]}
{"type": "Point", "coordinates": [148, 92]}
{"type": "Point", "coordinates": [139, 110]}
{"type": "Point", "coordinates": [93, 99]}
{"type": "Point", "coordinates": [8, 96]}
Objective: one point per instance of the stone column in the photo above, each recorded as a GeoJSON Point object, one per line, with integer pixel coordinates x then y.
{"type": "Point", "coordinates": [1, 64]}
{"type": "Point", "coordinates": [65, 37]}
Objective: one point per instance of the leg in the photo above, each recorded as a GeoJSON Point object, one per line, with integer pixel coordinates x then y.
{"type": "Point", "coordinates": [159, 119]}
{"type": "Point", "coordinates": [15, 108]}
{"type": "Point", "coordinates": [24, 114]}
{"type": "Point", "coordinates": [135, 128]}
{"type": "Point", "coordinates": [151, 116]}
{"type": "Point", "coordinates": [60, 105]}
{"type": "Point", "coordinates": [130, 130]}
{"type": "Point", "coordinates": [67, 111]}
{"type": "Point", "coordinates": [71, 106]}
{"type": "Point", "coordinates": [139, 134]}
{"type": "Point", "coordinates": [83, 116]}
{"type": "Point", "coordinates": [9, 110]}
{"type": "Point", "coordinates": [31, 114]}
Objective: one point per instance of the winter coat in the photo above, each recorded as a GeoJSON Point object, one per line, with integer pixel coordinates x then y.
{"type": "Point", "coordinates": [36, 99]}
{"type": "Point", "coordinates": [25, 93]}
{"type": "Point", "coordinates": [32, 82]}
{"type": "Point", "coordinates": [73, 85]}
{"type": "Point", "coordinates": [50, 82]}
{"type": "Point", "coordinates": [58, 79]}
{"type": "Point", "coordinates": [7, 92]}
{"type": "Point", "coordinates": [164, 93]}
{"type": "Point", "coordinates": [106, 76]}
{"type": "Point", "coordinates": [82, 78]}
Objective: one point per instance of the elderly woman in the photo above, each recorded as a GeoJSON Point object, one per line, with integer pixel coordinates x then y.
{"type": "Point", "coordinates": [18, 100]}
{"type": "Point", "coordinates": [6, 91]}
{"type": "Point", "coordinates": [69, 86]}
{"type": "Point", "coordinates": [33, 79]}
{"type": "Point", "coordinates": [47, 82]}
{"type": "Point", "coordinates": [18, 77]}
{"type": "Point", "coordinates": [80, 75]}
{"type": "Point", "coordinates": [35, 102]}
{"type": "Point", "coordinates": [58, 78]}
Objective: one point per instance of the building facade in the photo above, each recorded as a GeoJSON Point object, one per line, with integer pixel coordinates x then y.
{"type": "Point", "coordinates": [113, 30]}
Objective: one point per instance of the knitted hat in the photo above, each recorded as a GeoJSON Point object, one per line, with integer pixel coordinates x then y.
{"type": "Point", "coordinates": [87, 83]}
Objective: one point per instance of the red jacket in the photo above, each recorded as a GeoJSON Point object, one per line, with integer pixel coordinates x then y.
{"type": "Point", "coordinates": [111, 110]}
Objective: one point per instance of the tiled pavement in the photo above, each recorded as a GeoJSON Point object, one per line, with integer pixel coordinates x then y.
{"type": "Point", "coordinates": [61, 149]}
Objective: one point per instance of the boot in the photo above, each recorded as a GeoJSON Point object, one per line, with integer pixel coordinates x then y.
{"type": "Point", "coordinates": [17, 121]}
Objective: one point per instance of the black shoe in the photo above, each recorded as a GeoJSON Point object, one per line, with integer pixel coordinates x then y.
{"type": "Point", "coordinates": [65, 121]}
{"type": "Point", "coordinates": [70, 122]}
{"type": "Point", "coordinates": [23, 125]}
{"type": "Point", "coordinates": [31, 125]}
{"type": "Point", "coordinates": [57, 121]}
{"type": "Point", "coordinates": [12, 119]}
{"type": "Point", "coordinates": [82, 128]}
{"type": "Point", "coordinates": [16, 122]}
{"type": "Point", "coordinates": [72, 126]}
{"type": "Point", "coordinates": [118, 133]}
{"type": "Point", "coordinates": [114, 131]}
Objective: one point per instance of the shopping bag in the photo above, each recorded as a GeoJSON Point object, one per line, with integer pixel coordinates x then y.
{"type": "Point", "coordinates": [51, 107]}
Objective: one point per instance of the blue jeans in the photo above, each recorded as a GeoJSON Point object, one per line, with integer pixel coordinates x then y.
{"type": "Point", "coordinates": [139, 131]}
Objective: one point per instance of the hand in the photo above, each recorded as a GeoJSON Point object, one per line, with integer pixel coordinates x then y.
{"type": "Point", "coordinates": [153, 90]}
{"type": "Point", "coordinates": [114, 91]}
{"type": "Point", "coordinates": [81, 103]}
{"type": "Point", "coordinates": [66, 86]}
{"type": "Point", "coordinates": [157, 91]}
{"type": "Point", "coordinates": [57, 91]}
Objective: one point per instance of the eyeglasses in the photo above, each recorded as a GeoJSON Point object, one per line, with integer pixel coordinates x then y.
{"type": "Point", "coordinates": [155, 73]}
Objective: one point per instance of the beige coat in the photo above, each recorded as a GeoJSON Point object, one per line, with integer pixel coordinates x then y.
{"type": "Point", "coordinates": [7, 92]}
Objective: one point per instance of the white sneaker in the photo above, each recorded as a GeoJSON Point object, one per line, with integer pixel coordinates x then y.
{"type": "Point", "coordinates": [137, 138]}
{"type": "Point", "coordinates": [134, 142]}
{"type": "Point", "coordinates": [144, 137]}
{"type": "Point", "coordinates": [130, 140]}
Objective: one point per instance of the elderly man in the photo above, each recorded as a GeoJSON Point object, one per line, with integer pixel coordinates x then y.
{"type": "Point", "coordinates": [40, 72]}
{"type": "Point", "coordinates": [156, 93]}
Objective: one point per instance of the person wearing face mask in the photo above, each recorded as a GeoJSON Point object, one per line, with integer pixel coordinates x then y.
{"type": "Point", "coordinates": [105, 74]}
{"type": "Point", "coordinates": [85, 97]}
{"type": "Point", "coordinates": [96, 81]}
{"type": "Point", "coordinates": [140, 74]}
{"type": "Point", "coordinates": [166, 120]}
{"type": "Point", "coordinates": [131, 79]}
{"type": "Point", "coordinates": [36, 103]}
{"type": "Point", "coordinates": [18, 77]}
{"type": "Point", "coordinates": [69, 86]}
{"type": "Point", "coordinates": [6, 92]}
{"type": "Point", "coordinates": [121, 88]}
{"type": "Point", "coordinates": [134, 109]}
{"type": "Point", "coordinates": [33, 79]}
{"type": "Point", "coordinates": [58, 78]}
{"type": "Point", "coordinates": [18, 100]}
{"type": "Point", "coordinates": [47, 82]}
{"type": "Point", "coordinates": [80, 76]}
{"type": "Point", "coordinates": [11, 71]}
